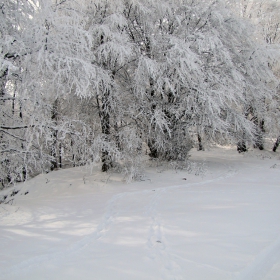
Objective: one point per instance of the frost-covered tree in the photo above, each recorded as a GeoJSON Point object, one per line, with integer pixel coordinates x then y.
{"type": "Point", "coordinates": [99, 81]}
{"type": "Point", "coordinates": [27, 127]}
{"type": "Point", "coordinates": [15, 17]}
{"type": "Point", "coordinates": [83, 51]}
{"type": "Point", "coordinates": [264, 15]}
{"type": "Point", "coordinates": [198, 71]}
{"type": "Point", "coordinates": [157, 110]}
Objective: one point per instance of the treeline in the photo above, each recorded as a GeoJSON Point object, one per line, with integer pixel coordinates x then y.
{"type": "Point", "coordinates": [107, 81]}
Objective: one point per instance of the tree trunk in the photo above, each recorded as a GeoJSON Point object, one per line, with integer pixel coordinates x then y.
{"type": "Point", "coordinates": [54, 164]}
{"type": "Point", "coordinates": [24, 171]}
{"type": "Point", "coordinates": [105, 126]}
{"type": "Point", "coordinates": [200, 146]}
{"type": "Point", "coordinates": [153, 151]}
{"type": "Point", "coordinates": [73, 153]}
{"type": "Point", "coordinates": [60, 156]}
{"type": "Point", "coordinates": [3, 81]}
{"type": "Point", "coordinates": [106, 161]}
{"type": "Point", "coordinates": [259, 143]}
{"type": "Point", "coordinates": [241, 147]}
{"type": "Point", "coordinates": [117, 137]}
{"type": "Point", "coordinates": [276, 144]}
{"type": "Point", "coordinates": [54, 117]}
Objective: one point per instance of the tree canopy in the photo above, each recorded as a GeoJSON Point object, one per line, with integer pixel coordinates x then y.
{"type": "Point", "coordinates": [108, 81]}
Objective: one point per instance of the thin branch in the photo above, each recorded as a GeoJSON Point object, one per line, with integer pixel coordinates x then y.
{"type": "Point", "coordinates": [15, 127]}
{"type": "Point", "coordinates": [14, 136]}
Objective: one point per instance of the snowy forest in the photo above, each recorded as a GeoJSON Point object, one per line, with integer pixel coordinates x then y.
{"type": "Point", "coordinates": [112, 82]}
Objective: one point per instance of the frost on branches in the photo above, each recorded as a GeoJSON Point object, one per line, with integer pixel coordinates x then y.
{"type": "Point", "coordinates": [97, 81]}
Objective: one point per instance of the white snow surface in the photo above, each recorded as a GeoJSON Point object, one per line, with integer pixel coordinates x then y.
{"type": "Point", "coordinates": [78, 224]}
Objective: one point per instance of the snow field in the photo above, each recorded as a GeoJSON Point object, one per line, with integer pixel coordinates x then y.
{"type": "Point", "coordinates": [77, 225]}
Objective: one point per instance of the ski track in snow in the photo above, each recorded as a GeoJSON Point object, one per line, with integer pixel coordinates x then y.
{"type": "Point", "coordinates": [158, 249]}
{"type": "Point", "coordinates": [77, 246]}
{"type": "Point", "coordinates": [109, 216]}
{"type": "Point", "coordinates": [156, 242]}
{"type": "Point", "coordinates": [262, 263]}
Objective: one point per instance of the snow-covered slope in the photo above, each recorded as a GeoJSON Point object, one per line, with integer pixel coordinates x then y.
{"type": "Point", "coordinates": [73, 224]}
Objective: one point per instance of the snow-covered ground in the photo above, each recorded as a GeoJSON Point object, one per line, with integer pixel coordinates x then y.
{"type": "Point", "coordinates": [72, 224]}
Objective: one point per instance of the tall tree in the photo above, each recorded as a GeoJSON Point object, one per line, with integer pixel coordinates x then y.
{"type": "Point", "coordinates": [96, 81]}
{"type": "Point", "coordinates": [265, 17]}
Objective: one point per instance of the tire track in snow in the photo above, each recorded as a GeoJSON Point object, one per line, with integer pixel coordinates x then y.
{"type": "Point", "coordinates": [108, 219]}
{"type": "Point", "coordinates": [262, 264]}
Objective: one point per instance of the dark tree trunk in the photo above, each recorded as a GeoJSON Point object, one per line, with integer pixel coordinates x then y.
{"type": "Point", "coordinates": [54, 164]}
{"type": "Point", "coordinates": [54, 117]}
{"type": "Point", "coordinates": [106, 161]}
{"type": "Point", "coordinates": [24, 171]}
{"type": "Point", "coordinates": [60, 156]}
{"type": "Point", "coordinates": [105, 126]}
{"type": "Point", "coordinates": [3, 81]}
{"type": "Point", "coordinates": [117, 137]}
{"type": "Point", "coordinates": [13, 103]}
{"type": "Point", "coordinates": [259, 143]}
{"type": "Point", "coordinates": [154, 153]}
{"type": "Point", "coordinates": [5, 162]}
{"type": "Point", "coordinates": [200, 146]}
{"type": "Point", "coordinates": [276, 144]}
{"type": "Point", "coordinates": [153, 150]}
{"type": "Point", "coordinates": [73, 154]}
{"type": "Point", "coordinates": [241, 147]}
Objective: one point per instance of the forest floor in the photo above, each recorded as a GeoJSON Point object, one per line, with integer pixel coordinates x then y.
{"type": "Point", "coordinates": [223, 223]}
